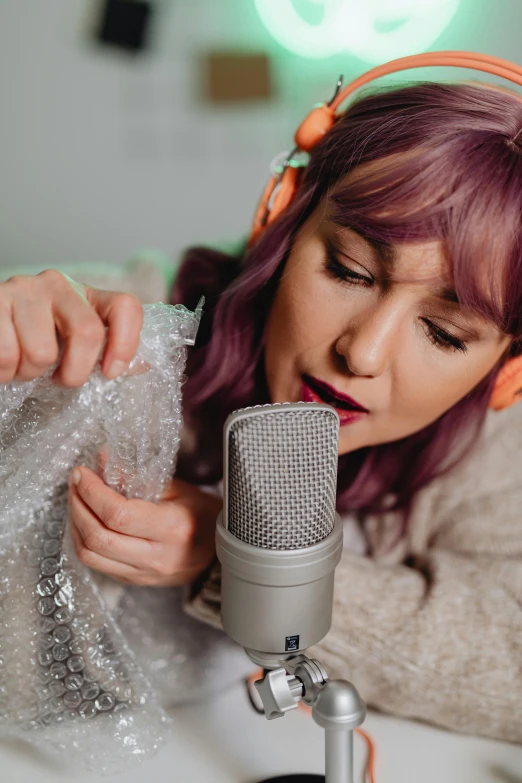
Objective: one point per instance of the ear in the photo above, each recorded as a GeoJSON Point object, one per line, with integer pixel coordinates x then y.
{"type": "Point", "coordinates": [508, 385]}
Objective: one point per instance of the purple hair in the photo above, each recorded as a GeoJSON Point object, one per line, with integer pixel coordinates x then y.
{"type": "Point", "coordinates": [422, 162]}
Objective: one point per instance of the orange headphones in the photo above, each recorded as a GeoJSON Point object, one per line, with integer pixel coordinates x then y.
{"type": "Point", "coordinates": [282, 185]}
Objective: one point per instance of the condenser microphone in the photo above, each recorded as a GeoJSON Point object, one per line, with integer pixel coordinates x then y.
{"type": "Point", "coordinates": [279, 537]}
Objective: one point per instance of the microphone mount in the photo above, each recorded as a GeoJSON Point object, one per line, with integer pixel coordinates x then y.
{"type": "Point", "coordinates": [336, 706]}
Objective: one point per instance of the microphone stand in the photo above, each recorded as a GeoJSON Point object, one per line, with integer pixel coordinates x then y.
{"type": "Point", "coordinates": [336, 706]}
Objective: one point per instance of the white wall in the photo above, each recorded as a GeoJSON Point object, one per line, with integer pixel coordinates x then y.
{"type": "Point", "coordinates": [101, 154]}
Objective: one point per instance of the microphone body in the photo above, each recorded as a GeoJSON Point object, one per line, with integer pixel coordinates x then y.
{"type": "Point", "coordinates": [279, 538]}
{"type": "Point", "coordinates": [277, 604]}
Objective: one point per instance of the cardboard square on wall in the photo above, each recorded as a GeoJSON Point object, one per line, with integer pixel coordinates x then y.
{"type": "Point", "coordinates": [237, 77]}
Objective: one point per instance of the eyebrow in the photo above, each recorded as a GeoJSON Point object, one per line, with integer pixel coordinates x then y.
{"type": "Point", "coordinates": [384, 251]}
{"type": "Point", "coordinates": [387, 255]}
{"type": "Point", "coordinates": [447, 294]}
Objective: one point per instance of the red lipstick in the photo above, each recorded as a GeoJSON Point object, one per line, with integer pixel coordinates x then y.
{"type": "Point", "coordinates": [349, 410]}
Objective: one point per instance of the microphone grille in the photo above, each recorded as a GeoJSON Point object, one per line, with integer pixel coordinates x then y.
{"type": "Point", "coordinates": [281, 474]}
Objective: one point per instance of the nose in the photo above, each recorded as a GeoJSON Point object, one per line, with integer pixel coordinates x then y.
{"type": "Point", "coordinates": [368, 342]}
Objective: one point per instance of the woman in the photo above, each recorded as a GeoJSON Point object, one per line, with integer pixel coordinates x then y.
{"type": "Point", "coordinates": [391, 285]}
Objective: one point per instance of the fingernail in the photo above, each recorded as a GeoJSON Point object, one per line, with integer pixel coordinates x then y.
{"type": "Point", "coordinates": [76, 476]}
{"type": "Point", "coordinates": [116, 368]}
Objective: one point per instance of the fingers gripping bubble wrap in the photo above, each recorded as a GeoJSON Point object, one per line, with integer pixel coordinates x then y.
{"type": "Point", "coordinates": [74, 676]}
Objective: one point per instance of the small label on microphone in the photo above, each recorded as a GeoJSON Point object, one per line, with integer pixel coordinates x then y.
{"type": "Point", "coordinates": [291, 643]}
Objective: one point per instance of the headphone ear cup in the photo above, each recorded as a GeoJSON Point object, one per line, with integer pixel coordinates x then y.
{"type": "Point", "coordinates": [508, 385]}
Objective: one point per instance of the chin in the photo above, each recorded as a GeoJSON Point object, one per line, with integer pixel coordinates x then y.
{"type": "Point", "coordinates": [277, 396]}
{"type": "Point", "coordinates": [348, 444]}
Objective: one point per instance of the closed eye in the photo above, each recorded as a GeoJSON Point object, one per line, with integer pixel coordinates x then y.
{"type": "Point", "coordinates": [341, 272]}
{"type": "Point", "coordinates": [444, 339]}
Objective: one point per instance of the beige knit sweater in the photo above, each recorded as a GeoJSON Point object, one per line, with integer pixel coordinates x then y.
{"type": "Point", "coordinates": [432, 629]}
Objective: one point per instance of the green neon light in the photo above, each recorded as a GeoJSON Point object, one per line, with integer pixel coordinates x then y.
{"type": "Point", "coordinates": [373, 30]}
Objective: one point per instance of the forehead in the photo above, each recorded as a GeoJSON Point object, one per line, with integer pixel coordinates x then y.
{"type": "Point", "coordinates": [413, 261]}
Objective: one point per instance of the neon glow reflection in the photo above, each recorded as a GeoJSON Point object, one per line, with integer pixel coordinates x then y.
{"type": "Point", "coordinates": [373, 30]}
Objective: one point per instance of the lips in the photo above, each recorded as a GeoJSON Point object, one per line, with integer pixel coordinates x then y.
{"type": "Point", "coordinates": [331, 396]}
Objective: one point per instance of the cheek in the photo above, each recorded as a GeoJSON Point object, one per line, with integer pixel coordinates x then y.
{"type": "Point", "coordinates": [284, 329]}
{"type": "Point", "coordinates": [425, 393]}
{"type": "Point", "coordinates": [300, 328]}
{"type": "Point", "coordinates": [279, 338]}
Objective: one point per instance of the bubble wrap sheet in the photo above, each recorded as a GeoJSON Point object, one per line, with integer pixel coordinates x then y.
{"type": "Point", "coordinates": [74, 677]}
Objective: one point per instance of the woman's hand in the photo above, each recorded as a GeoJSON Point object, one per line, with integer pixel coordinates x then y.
{"type": "Point", "coordinates": [35, 311]}
{"type": "Point", "coordinates": [139, 542]}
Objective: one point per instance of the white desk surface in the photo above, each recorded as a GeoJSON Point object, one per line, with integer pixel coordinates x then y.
{"type": "Point", "coordinates": [225, 741]}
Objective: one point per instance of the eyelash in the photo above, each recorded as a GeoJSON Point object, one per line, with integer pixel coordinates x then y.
{"type": "Point", "coordinates": [436, 335]}
{"type": "Point", "coordinates": [444, 339]}
{"type": "Point", "coordinates": [342, 272]}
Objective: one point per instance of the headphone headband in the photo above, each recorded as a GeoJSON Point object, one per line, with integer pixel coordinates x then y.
{"type": "Point", "coordinates": [472, 60]}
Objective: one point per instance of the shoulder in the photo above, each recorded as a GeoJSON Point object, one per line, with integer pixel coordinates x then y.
{"type": "Point", "coordinates": [505, 426]}
{"type": "Point", "coordinates": [492, 466]}
{"type": "Point", "coordinates": [495, 460]}
{"type": "Point", "coordinates": [475, 508]}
